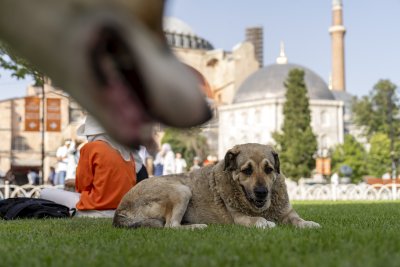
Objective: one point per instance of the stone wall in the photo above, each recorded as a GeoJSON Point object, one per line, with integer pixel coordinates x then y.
{"type": "Point", "coordinates": [20, 149]}
{"type": "Point", "coordinates": [224, 71]}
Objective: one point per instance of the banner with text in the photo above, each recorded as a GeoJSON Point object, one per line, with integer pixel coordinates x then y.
{"type": "Point", "coordinates": [53, 114]}
{"type": "Point", "coordinates": [32, 114]}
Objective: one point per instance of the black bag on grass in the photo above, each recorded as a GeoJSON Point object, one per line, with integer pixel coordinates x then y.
{"type": "Point", "coordinates": [34, 208]}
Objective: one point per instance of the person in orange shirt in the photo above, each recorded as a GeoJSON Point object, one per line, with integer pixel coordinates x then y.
{"type": "Point", "coordinates": [105, 173]}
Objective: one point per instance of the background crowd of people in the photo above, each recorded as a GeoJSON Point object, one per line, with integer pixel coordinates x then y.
{"type": "Point", "coordinates": [167, 162]}
{"type": "Point", "coordinates": [164, 162]}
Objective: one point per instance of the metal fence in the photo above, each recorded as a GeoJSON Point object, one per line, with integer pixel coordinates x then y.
{"type": "Point", "coordinates": [296, 192]}
{"type": "Point", "coordinates": [9, 190]}
{"type": "Point", "coordinates": [345, 192]}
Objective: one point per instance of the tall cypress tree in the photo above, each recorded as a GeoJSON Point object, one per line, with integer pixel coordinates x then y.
{"type": "Point", "coordinates": [296, 143]}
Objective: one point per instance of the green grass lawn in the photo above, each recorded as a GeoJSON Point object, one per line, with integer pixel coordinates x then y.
{"type": "Point", "coordinates": [352, 234]}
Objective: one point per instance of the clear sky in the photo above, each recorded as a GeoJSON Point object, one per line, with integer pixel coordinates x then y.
{"type": "Point", "coordinates": [372, 41]}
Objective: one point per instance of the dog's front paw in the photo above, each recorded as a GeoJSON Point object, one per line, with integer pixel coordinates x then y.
{"type": "Point", "coordinates": [307, 224]}
{"type": "Point", "coordinates": [264, 224]}
{"type": "Point", "coordinates": [198, 226]}
{"type": "Point", "coordinates": [193, 226]}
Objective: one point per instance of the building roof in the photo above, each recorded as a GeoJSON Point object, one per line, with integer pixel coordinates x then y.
{"type": "Point", "coordinates": [181, 35]}
{"type": "Point", "coordinates": [172, 24]}
{"type": "Point", "coordinates": [346, 98]}
{"type": "Point", "coordinates": [268, 83]}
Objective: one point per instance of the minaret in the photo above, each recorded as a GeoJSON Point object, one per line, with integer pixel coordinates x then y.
{"type": "Point", "coordinates": [282, 59]}
{"type": "Point", "coordinates": [337, 31]}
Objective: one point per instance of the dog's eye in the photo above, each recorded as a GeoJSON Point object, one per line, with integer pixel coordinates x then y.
{"type": "Point", "coordinates": [248, 170]}
{"type": "Point", "coordinates": [268, 169]}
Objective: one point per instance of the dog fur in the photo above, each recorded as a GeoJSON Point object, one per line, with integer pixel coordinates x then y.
{"type": "Point", "coordinates": [245, 188]}
{"type": "Point", "coordinates": [112, 58]}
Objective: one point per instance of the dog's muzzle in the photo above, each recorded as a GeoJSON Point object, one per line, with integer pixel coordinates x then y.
{"type": "Point", "coordinates": [260, 193]}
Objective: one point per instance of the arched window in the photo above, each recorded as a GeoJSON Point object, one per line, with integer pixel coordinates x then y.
{"type": "Point", "coordinates": [19, 143]}
{"type": "Point", "coordinates": [186, 41]}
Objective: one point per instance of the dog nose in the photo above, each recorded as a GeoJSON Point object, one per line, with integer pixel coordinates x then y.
{"type": "Point", "coordinates": [260, 192]}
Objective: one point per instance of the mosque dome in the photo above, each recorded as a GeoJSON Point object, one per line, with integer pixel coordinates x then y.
{"type": "Point", "coordinates": [176, 25]}
{"type": "Point", "coordinates": [181, 35]}
{"type": "Point", "coordinates": [268, 82]}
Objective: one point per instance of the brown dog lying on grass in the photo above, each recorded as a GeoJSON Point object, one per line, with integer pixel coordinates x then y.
{"type": "Point", "coordinates": [245, 188]}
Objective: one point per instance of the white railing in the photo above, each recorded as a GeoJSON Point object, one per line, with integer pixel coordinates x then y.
{"type": "Point", "coordinates": [296, 192]}
{"type": "Point", "coordinates": [345, 192]}
{"type": "Point", "coordinates": [8, 190]}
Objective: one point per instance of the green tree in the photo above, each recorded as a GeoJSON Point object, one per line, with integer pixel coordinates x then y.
{"type": "Point", "coordinates": [297, 143]}
{"type": "Point", "coordinates": [189, 142]}
{"type": "Point", "coordinates": [379, 161]}
{"type": "Point", "coordinates": [19, 67]}
{"type": "Point", "coordinates": [352, 154]}
{"type": "Point", "coordinates": [375, 112]}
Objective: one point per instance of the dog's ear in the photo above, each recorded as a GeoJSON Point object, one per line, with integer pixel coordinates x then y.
{"type": "Point", "coordinates": [230, 159]}
{"type": "Point", "coordinates": [277, 164]}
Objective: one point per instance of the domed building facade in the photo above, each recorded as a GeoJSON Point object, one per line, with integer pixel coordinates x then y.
{"type": "Point", "coordinates": [223, 70]}
{"type": "Point", "coordinates": [257, 108]}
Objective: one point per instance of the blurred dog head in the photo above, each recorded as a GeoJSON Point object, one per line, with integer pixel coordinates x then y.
{"type": "Point", "coordinates": [111, 56]}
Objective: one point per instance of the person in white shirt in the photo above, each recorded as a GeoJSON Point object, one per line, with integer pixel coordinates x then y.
{"type": "Point", "coordinates": [180, 163]}
{"type": "Point", "coordinates": [32, 177]}
{"type": "Point", "coordinates": [62, 165]}
{"type": "Point", "coordinates": [73, 158]}
{"type": "Point", "coordinates": [168, 159]}
{"type": "Point", "coordinates": [196, 164]}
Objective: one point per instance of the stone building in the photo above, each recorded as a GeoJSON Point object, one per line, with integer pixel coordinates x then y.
{"type": "Point", "coordinates": [257, 108]}
{"type": "Point", "coordinates": [224, 70]}
{"type": "Point", "coordinates": [20, 148]}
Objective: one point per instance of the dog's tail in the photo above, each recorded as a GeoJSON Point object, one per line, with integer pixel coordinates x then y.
{"type": "Point", "coordinates": [125, 222]}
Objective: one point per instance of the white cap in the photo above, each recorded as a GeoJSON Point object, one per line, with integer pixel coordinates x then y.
{"type": "Point", "coordinates": [90, 127]}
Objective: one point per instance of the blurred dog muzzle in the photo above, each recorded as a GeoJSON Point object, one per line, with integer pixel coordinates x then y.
{"type": "Point", "coordinates": [137, 89]}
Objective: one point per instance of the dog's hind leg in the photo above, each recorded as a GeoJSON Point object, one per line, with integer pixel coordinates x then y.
{"type": "Point", "coordinates": [121, 220]}
{"type": "Point", "coordinates": [177, 204]}
{"type": "Point", "coordinates": [177, 208]}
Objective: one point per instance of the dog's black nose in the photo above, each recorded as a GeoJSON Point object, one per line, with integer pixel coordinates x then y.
{"type": "Point", "coordinates": [260, 192]}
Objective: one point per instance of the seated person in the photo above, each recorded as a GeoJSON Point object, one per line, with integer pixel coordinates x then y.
{"type": "Point", "coordinates": [105, 173]}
